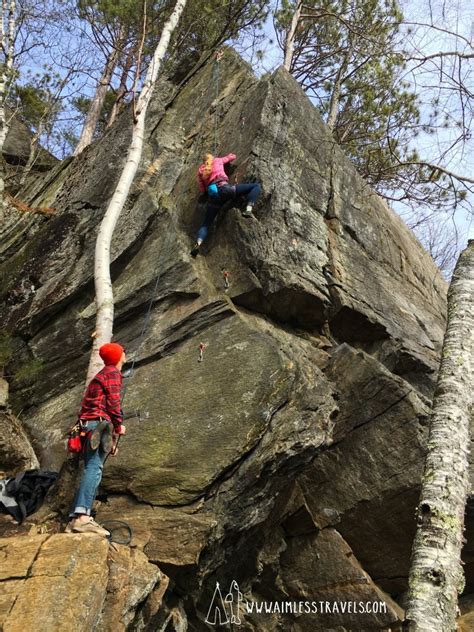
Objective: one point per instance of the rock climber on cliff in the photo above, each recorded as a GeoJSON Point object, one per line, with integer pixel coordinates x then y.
{"type": "Point", "coordinates": [101, 416]}
{"type": "Point", "coordinates": [213, 180]}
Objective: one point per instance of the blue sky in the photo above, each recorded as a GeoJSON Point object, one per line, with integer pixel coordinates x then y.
{"type": "Point", "coordinates": [454, 16]}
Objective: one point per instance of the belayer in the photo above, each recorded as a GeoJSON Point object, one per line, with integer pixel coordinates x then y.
{"type": "Point", "coordinates": [213, 180]}
{"type": "Point", "coordinates": [101, 417]}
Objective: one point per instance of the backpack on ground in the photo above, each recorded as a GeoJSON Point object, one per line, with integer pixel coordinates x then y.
{"type": "Point", "coordinates": [23, 494]}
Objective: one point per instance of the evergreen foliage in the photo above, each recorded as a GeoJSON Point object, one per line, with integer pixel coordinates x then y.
{"type": "Point", "coordinates": [349, 58]}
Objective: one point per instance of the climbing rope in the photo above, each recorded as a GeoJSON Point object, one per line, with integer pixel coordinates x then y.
{"type": "Point", "coordinates": [134, 355]}
{"type": "Point", "coordinates": [120, 524]}
{"type": "Point", "coordinates": [146, 322]}
{"type": "Point", "coordinates": [115, 525]}
{"type": "Point", "coordinates": [216, 79]}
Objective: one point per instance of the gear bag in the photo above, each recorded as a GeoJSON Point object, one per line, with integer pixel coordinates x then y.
{"type": "Point", "coordinates": [77, 439]}
{"type": "Point", "coordinates": [24, 494]}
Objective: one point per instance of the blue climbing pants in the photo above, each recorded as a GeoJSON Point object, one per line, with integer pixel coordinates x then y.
{"type": "Point", "coordinates": [227, 192]}
{"type": "Point", "coordinates": [91, 477]}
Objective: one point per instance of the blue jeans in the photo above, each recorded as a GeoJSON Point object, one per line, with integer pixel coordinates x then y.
{"type": "Point", "coordinates": [91, 477]}
{"type": "Point", "coordinates": [226, 193]}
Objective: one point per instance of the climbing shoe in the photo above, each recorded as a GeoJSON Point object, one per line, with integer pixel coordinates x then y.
{"type": "Point", "coordinates": [97, 433]}
{"type": "Point", "coordinates": [247, 212]}
{"type": "Point", "coordinates": [91, 526]}
{"type": "Point", "coordinates": [195, 250]}
{"type": "Point", "coordinates": [107, 441]}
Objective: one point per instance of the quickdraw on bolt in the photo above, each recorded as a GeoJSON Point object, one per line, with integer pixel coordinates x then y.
{"type": "Point", "coordinates": [202, 346]}
{"type": "Point", "coordinates": [226, 280]}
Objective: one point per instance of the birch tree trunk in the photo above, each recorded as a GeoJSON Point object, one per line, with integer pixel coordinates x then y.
{"type": "Point", "coordinates": [8, 43]}
{"type": "Point", "coordinates": [103, 284]}
{"type": "Point", "coordinates": [93, 115]}
{"type": "Point", "coordinates": [290, 38]}
{"type": "Point", "coordinates": [436, 575]}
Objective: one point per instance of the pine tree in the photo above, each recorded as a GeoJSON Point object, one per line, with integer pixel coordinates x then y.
{"type": "Point", "coordinates": [115, 27]}
{"type": "Point", "coordinates": [126, 33]}
{"type": "Point", "coordinates": [348, 57]}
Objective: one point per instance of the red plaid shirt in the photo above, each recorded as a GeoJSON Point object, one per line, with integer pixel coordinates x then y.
{"type": "Point", "coordinates": [102, 398]}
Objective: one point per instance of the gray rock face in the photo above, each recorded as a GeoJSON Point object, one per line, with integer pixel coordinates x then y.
{"type": "Point", "coordinates": [16, 452]}
{"type": "Point", "coordinates": [289, 459]}
{"type": "Point", "coordinates": [16, 148]}
{"type": "Point", "coordinates": [378, 448]}
{"type": "Point", "coordinates": [3, 393]}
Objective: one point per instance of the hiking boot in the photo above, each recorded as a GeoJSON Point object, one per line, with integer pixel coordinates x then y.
{"type": "Point", "coordinates": [91, 526]}
{"type": "Point", "coordinates": [195, 250]}
{"type": "Point", "coordinates": [247, 212]}
{"type": "Point", "coordinates": [69, 526]}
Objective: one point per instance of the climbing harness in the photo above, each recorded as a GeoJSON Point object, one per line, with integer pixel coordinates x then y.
{"type": "Point", "coordinates": [202, 346]}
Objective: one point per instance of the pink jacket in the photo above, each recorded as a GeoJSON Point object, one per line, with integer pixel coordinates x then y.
{"type": "Point", "coordinates": [217, 172]}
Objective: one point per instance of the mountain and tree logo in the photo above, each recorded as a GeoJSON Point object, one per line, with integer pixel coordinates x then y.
{"type": "Point", "coordinates": [224, 610]}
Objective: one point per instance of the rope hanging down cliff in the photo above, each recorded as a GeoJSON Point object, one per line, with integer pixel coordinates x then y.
{"type": "Point", "coordinates": [130, 371]}
{"type": "Point", "coordinates": [216, 80]}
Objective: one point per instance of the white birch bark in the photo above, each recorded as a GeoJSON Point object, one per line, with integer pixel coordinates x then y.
{"type": "Point", "coordinates": [93, 115]}
{"type": "Point", "coordinates": [3, 122]}
{"type": "Point", "coordinates": [290, 37]}
{"type": "Point", "coordinates": [103, 284]}
{"type": "Point", "coordinates": [436, 575]}
{"type": "Point", "coordinates": [8, 40]}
